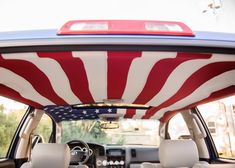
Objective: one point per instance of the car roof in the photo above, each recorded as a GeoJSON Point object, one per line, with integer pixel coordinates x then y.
{"type": "Point", "coordinates": [66, 70]}
{"type": "Point", "coordinates": [50, 37]}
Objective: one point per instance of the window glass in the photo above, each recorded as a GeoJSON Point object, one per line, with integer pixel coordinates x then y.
{"type": "Point", "coordinates": [44, 128]}
{"type": "Point", "coordinates": [177, 128]}
{"type": "Point", "coordinates": [219, 117]}
{"type": "Point", "coordinates": [128, 132]}
{"type": "Point", "coordinates": [11, 113]}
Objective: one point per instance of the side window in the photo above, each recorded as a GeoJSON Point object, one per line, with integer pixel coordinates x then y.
{"type": "Point", "coordinates": [212, 127]}
{"type": "Point", "coordinates": [177, 128]}
{"type": "Point", "coordinates": [220, 119]}
{"type": "Point", "coordinates": [11, 113]}
{"type": "Point", "coordinates": [44, 128]}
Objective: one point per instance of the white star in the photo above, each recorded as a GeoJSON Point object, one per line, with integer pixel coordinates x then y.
{"type": "Point", "coordinates": [84, 112]}
{"type": "Point", "coordinates": [97, 111]}
{"type": "Point", "coordinates": [57, 112]}
{"type": "Point", "coordinates": [109, 110]}
{"type": "Point", "coordinates": [60, 116]}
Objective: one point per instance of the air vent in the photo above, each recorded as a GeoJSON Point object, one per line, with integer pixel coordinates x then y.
{"type": "Point", "coordinates": [133, 153]}
{"type": "Point", "coordinates": [101, 152]}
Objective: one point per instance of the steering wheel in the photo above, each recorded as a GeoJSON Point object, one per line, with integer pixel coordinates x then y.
{"type": "Point", "coordinates": [78, 154]}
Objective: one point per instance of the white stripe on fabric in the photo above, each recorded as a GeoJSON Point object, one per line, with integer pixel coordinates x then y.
{"type": "Point", "coordinates": [54, 72]}
{"type": "Point", "coordinates": [139, 114]}
{"type": "Point", "coordinates": [22, 86]}
{"type": "Point", "coordinates": [95, 64]}
{"type": "Point", "coordinates": [181, 74]}
{"type": "Point", "coordinates": [121, 112]}
{"type": "Point", "coordinates": [215, 84]}
{"type": "Point", "coordinates": [139, 72]}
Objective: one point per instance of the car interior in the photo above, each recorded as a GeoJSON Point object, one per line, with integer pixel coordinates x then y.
{"type": "Point", "coordinates": [112, 88]}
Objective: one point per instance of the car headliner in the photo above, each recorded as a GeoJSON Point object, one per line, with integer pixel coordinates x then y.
{"type": "Point", "coordinates": [166, 81]}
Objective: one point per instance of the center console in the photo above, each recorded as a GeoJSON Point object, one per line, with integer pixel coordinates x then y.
{"type": "Point", "coordinates": [115, 158]}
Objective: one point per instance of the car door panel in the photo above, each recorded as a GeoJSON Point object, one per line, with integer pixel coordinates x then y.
{"type": "Point", "coordinates": [7, 163]}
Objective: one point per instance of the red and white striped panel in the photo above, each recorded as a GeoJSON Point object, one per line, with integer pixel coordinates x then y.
{"type": "Point", "coordinates": [168, 81]}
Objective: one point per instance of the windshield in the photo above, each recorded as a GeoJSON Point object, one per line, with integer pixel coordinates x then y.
{"type": "Point", "coordinates": [130, 132]}
{"type": "Point", "coordinates": [206, 15]}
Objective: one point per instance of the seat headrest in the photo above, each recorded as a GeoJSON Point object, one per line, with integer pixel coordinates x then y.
{"type": "Point", "coordinates": [178, 153]}
{"type": "Point", "coordinates": [50, 156]}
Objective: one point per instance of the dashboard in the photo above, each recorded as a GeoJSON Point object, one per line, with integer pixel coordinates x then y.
{"type": "Point", "coordinates": [113, 156]}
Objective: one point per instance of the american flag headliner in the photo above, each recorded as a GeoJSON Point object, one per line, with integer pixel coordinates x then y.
{"type": "Point", "coordinates": [68, 113]}
{"type": "Point", "coordinates": [167, 81]}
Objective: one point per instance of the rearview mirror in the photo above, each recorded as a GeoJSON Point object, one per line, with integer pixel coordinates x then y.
{"type": "Point", "coordinates": [109, 125]}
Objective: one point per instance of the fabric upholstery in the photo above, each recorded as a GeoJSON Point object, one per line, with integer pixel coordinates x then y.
{"type": "Point", "coordinates": [178, 153]}
{"type": "Point", "coordinates": [150, 165]}
{"type": "Point", "coordinates": [201, 164]}
{"type": "Point", "coordinates": [49, 156]}
{"type": "Point", "coordinates": [27, 165]}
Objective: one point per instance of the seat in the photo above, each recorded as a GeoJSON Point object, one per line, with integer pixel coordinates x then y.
{"type": "Point", "coordinates": [177, 153]}
{"type": "Point", "coordinates": [49, 156]}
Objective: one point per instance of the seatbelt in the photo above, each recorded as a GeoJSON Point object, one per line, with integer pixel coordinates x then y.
{"type": "Point", "coordinates": [30, 146]}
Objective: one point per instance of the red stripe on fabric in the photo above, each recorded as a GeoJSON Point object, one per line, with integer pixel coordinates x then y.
{"type": "Point", "coordinates": [75, 71]}
{"type": "Point", "coordinates": [229, 91]}
{"type": "Point", "coordinates": [193, 82]}
{"type": "Point", "coordinates": [130, 113]}
{"type": "Point", "coordinates": [118, 68]}
{"type": "Point", "coordinates": [12, 94]}
{"type": "Point", "coordinates": [161, 71]}
{"type": "Point", "coordinates": [33, 75]}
